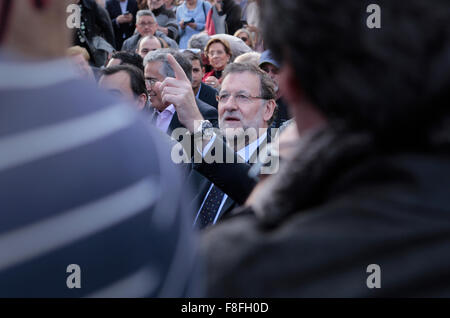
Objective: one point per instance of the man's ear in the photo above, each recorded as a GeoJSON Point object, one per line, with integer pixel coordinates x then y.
{"type": "Point", "coordinates": [269, 109]}
{"type": "Point", "coordinates": [142, 100]}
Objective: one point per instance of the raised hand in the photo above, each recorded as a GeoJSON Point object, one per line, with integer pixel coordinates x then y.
{"type": "Point", "coordinates": [178, 91]}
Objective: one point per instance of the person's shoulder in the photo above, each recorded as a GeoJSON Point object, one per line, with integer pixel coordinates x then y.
{"type": "Point", "coordinates": [205, 108]}
{"type": "Point", "coordinates": [208, 90]}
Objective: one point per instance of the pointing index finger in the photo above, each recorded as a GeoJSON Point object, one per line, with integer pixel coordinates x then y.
{"type": "Point", "coordinates": [179, 73]}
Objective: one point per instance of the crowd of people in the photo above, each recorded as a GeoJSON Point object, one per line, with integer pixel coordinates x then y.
{"type": "Point", "coordinates": [224, 148]}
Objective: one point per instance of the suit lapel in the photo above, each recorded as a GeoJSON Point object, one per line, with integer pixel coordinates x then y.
{"type": "Point", "coordinates": [174, 123]}
{"type": "Point", "coordinates": [254, 157]}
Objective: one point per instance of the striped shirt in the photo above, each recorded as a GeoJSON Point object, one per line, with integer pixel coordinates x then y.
{"type": "Point", "coordinates": [85, 181]}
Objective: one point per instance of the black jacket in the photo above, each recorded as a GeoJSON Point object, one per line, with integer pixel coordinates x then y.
{"type": "Point", "coordinates": [97, 23]}
{"type": "Point", "coordinates": [208, 95]}
{"type": "Point", "coordinates": [233, 16]}
{"type": "Point", "coordinates": [122, 31]}
{"type": "Point", "coordinates": [342, 204]}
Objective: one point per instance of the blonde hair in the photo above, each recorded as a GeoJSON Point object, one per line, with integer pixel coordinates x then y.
{"type": "Point", "coordinates": [223, 42]}
{"type": "Point", "coordinates": [250, 38]}
{"type": "Point", "coordinates": [78, 50]}
{"type": "Point", "coordinates": [249, 58]}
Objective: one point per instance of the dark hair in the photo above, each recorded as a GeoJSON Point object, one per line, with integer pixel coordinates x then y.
{"type": "Point", "coordinates": [393, 81]}
{"type": "Point", "coordinates": [193, 56]}
{"type": "Point", "coordinates": [129, 58]}
{"type": "Point", "coordinates": [167, 71]}
{"type": "Point", "coordinates": [267, 86]}
{"type": "Point", "coordinates": [137, 79]}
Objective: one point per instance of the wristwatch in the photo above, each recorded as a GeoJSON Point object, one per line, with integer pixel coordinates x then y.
{"type": "Point", "coordinates": [205, 129]}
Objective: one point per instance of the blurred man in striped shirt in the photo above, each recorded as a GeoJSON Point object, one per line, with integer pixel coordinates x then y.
{"type": "Point", "coordinates": [91, 204]}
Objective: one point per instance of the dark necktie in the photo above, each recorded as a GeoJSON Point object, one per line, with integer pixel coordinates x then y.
{"type": "Point", "coordinates": [210, 207]}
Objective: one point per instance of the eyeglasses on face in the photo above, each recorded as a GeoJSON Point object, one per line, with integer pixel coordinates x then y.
{"type": "Point", "coordinates": [240, 98]}
{"type": "Point", "coordinates": [143, 24]}
{"type": "Point", "coordinates": [150, 82]}
{"type": "Point", "coordinates": [244, 39]}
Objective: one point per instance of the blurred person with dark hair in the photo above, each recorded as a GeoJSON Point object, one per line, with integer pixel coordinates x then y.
{"type": "Point", "coordinates": [127, 82]}
{"type": "Point", "coordinates": [123, 17]}
{"type": "Point", "coordinates": [167, 22]}
{"type": "Point", "coordinates": [202, 91]}
{"type": "Point", "coordinates": [121, 58]}
{"type": "Point", "coordinates": [87, 187]}
{"type": "Point", "coordinates": [368, 184]}
{"type": "Point", "coordinates": [146, 25]}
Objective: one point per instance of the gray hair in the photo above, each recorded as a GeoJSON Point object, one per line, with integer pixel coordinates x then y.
{"type": "Point", "coordinates": [166, 70]}
{"type": "Point", "coordinates": [142, 13]}
{"type": "Point", "coordinates": [198, 41]}
{"type": "Point", "coordinates": [267, 85]}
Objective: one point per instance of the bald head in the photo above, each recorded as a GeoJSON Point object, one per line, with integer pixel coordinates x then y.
{"type": "Point", "coordinates": [147, 44]}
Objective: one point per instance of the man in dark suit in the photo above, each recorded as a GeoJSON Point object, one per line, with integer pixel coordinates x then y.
{"type": "Point", "coordinates": [123, 17]}
{"type": "Point", "coordinates": [246, 108]}
{"type": "Point", "coordinates": [201, 90]}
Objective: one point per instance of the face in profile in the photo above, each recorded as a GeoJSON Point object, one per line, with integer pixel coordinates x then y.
{"type": "Point", "coordinates": [153, 76]}
{"type": "Point", "coordinates": [119, 85]}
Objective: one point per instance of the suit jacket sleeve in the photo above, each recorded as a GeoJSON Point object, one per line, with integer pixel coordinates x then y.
{"type": "Point", "coordinates": [232, 178]}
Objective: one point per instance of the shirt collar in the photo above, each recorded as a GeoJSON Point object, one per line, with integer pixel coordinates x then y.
{"type": "Point", "coordinates": [248, 150]}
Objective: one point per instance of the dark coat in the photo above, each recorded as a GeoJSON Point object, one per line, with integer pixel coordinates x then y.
{"type": "Point", "coordinates": [125, 30]}
{"type": "Point", "coordinates": [97, 23]}
{"type": "Point", "coordinates": [341, 204]}
{"type": "Point", "coordinates": [233, 16]}
{"type": "Point", "coordinates": [208, 95]}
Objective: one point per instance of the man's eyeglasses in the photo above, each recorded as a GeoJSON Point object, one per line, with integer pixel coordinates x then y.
{"type": "Point", "coordinates": [240, 98]}
{"type": "Point", "coordinates": [150, 82]}
{"type": "Point", "coordinates": [143, 24]}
